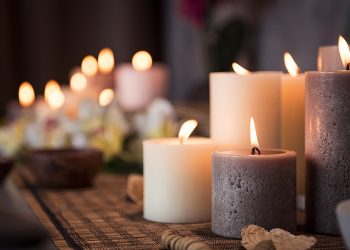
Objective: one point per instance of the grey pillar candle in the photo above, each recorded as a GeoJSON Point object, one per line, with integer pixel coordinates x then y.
{"type": "Point", "coordinates": [327, 144]}
{"type": "Point", "coordinates": [329, 59]}
{"type": "Point", "coordinates": [253, 189]}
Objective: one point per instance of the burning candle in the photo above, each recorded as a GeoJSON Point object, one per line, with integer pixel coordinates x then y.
{"type": "Point", "coordinates": [327, 126]}
{"type": "Point", "coordinates": [254, 186]}
{"type": "Point", "coordinates": [94, 76]}
{"type": "Point", "coordinates": [329, 57]}
{"type": "Point", "coordinates": [177, 178]}
{"type": "Point", "coordinates": [106, 97]}
{"type": "Point", "coordinates": [26, 94]}
{"type": "Point", "coordinates": [139, 83]}
{"type": "Point", "coordinates": [26, 98]}
{"type": "Point", "coordinates": [233, 96]}
{"type": "Point", "coordinates": [292, 116]}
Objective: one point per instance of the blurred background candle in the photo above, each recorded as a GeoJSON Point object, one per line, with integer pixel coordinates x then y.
{"type": "Point", "coordinates": [253, 187]}
{"type": "Point", "coordinates": [177, 178]}
{"type": "Point", "coordinates": [329, 58]}
{"type": "Point", "coordinates": [26, 98]}
{"type": "Point", "coordinates": [236, 96]}
{"type": "Point", "coordinates": [292, 116]}
{"type": "Point", "coordinates": [141, 82]}
{"type": "Point", "coordinates": [327, 126]}
{"type": "Point", "coordinates": [94, 75]}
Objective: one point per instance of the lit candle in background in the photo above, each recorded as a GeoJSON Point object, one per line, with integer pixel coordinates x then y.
{"type": "Point", "coordinates": [106, 97]}
{"type": "Point", "coordinates": [53, 95]}
{"type": "Point", "coordinates": [293, 116]}
{"type": "Point", "coordinates": [98, 74]}
{"type": "Point", "coordinates": [177, 178]}
{"type": "Point", "coordinates": [26, 94]}
{"type": "Point", "coordinates": [105, 61]}
{"type": "Point", "coordinates": [327, 126]}
{"type": "Point", "coordinates": [139, 83]}
{"type": "Point", "coordinates": [329, 57]}
{"type": "Point", "coordinates": [234, 96]}
{"type": "Point", "coordinates": [255, 186]}
{"type": "Point", "coordinates": [22, 106]}
{"type": "Point", "coordinates": [78, 82]}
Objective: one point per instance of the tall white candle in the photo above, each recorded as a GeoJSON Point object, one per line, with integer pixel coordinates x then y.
{"type": "Point", "coordinates": [139, 83]}
{"type": "Point", "coordinates": [293, 117]}
{"type": "Point", "coordinates": [234, 98]}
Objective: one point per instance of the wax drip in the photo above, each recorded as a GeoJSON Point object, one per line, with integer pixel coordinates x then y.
{"type": "Point", "coordinates": [255, 151]}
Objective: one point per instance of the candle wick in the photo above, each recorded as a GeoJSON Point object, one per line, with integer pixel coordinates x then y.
{"type": "Point", "coordinates": [255, 151]}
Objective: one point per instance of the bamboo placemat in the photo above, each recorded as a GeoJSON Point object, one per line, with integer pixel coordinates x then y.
{"type": "Point", "coordinates": [102, 217]}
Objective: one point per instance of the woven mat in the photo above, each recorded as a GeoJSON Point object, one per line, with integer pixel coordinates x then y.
{"type": "Point", "coordinates": [103, 218]}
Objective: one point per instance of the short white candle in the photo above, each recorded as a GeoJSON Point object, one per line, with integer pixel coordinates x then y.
{"type": "Point", "coordinates": [234, 98]}
{"type": "Point", "coordinates": [139, 83]}
{"type": "Point", "coordinates": [177, 180]}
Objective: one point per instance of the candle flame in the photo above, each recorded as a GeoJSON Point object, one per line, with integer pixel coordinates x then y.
{"type": "Point", "coordinates": [291, 65]}
{"type": "Point", "coordinates": [186, 130]}
{"type": "Point", "coordinates": [78, 82]}
{"type": "Point", "coordinates": [344, 51]}
{"type": "Point", "coordinates": [26, 94]}
{"type": "Point", "coordinates": [89, 65]}
{"type": "Point", "coordinates": [142, 61]}
{"type": "Point", "coordinates": [50, 87]}
{"type": "Point", "coordinates": [54, 95]}
{"type": "Point", "coordinates": [105, 60]}
{"type": "Point", "coordinates": [253, 137]}
{"type": "Point", "coordinates": [106, 97]}
{"type": "Point", "coordinates": [239, 69]}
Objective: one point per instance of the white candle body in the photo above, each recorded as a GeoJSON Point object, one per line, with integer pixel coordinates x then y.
{"type": "Point", "coordinates": [137, 89]}
{"type": "Point", "coordinates": [177, 180]}
{"type": "Point", "coordinates": [293, 122]}
{"type": "Point", "coordinates": [235, 98]}
{"type": "Point", "coordinates": [328, 59]}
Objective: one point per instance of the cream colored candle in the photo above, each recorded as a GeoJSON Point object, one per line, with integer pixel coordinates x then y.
{"type": "Point", "coordinates": [293, 117]}
{"type": "Point", "coordinates": [234, 98]}
{"type": "Point", "coordinates": [329, 57]}
{"type": "Point", "coordinates": [139, 83]}
{"type": "Point", "coordinates": [177, 180]}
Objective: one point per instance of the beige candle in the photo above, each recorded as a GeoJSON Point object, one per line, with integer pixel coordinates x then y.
{"type": "Point", "coordinates": [234, 98]}
{"type": "Point", "coordinates": [292, 117]}
{"type": "Point", "coordinates": [329, 57]}
{"type": "Point", "coordinates": [177, 178]}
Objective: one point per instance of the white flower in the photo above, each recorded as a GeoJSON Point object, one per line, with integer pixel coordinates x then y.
{"type": "Point", "coordinates": [158, 121]}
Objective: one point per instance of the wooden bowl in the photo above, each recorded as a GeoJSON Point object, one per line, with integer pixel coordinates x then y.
{"type": "Point", "coordinates": [6, 164]}
{"type": "Point", "coordinates": [64, 168]}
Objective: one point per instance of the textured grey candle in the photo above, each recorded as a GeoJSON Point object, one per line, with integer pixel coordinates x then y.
{"type": "Point", "coordinates": [329, 59]}
{"type": "Point", "coordinates": [327, 147]}
{"type": "Point", "coordinates": [253, 189]}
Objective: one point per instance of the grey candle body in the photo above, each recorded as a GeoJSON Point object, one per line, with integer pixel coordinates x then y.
{"type": "Point", "coordinates": [327, 143]}
{"type": "Point", "coordinates": [257, 190]}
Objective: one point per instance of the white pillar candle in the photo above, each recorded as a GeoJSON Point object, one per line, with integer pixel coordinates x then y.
{"type": "Point", "coordinates": [139, 83]}
{"type": "Point", "coordinates": [329, 57]}
{"type": "Point", "coordinates": [293, 117]}
{"type": "Point", "coordinates": [234, 98]}
{"type": "Point", "coordinates": [177, 180]}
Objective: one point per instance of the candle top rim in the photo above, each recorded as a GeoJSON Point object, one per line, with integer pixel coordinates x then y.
{"type": "Point", "coordinates": [340, 71]}
{"type": "Point", "coordinates": [253, 73]}
{"type": "Point", "coordinates": [246, 153]}
{"type": "Point", "coordinates": [174, 141]}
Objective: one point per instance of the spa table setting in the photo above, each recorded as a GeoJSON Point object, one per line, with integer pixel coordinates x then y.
{"type": "Point", "coordinates": [273, 174]}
